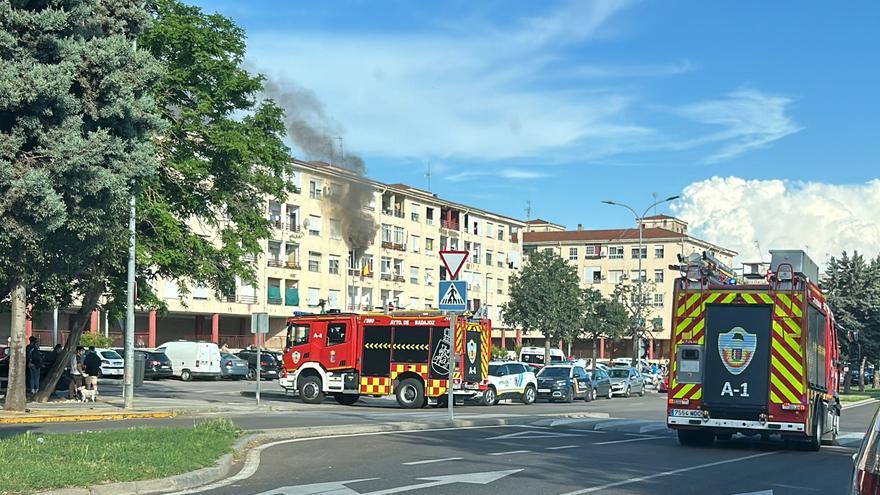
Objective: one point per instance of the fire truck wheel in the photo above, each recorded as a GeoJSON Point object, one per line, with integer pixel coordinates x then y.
{"type": "Point", "coordinates": [410, 394]}
{"type": "Point", "coordinates": [695, 438]}
{"type": "Point", "coordinates": [814, 443]}
{"type": "Point", "coordinates": [490, 397]}
{"type": "Point", "coordinates": [310, 390]}
{"type": "Point", "coordinates": [529, 395]}
{"type": "Point", "coordinates": [346, 399]}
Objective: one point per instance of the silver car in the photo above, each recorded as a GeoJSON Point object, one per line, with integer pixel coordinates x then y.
{"type": "Point", "coordinates": [233, 367]}
{"type": "Point", "coordinates": [626, 381]}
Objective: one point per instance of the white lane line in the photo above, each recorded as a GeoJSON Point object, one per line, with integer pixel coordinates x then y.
{"type": "Point", "coordinates": [562, 447]}
{"type": "Point", "coordinates": [432, 461]}
{"type": "Point", "coordinates": [639, 439]}
{"type": "Point", "coordinates": [859, 403]}
{"type": "Point", "coordinates": [667, 473]}
{"type": "Point", "coordinates": [252, 461]}
{"type": "Point", "coordinates": [511, 452]}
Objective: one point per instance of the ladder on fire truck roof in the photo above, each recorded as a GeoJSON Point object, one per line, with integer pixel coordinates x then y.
{"type": "Point", "coordinates": [703, 267]}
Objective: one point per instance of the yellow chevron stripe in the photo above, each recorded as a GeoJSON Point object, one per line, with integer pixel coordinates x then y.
{"type": "Point", "coordinates": [765, 298]}
{"type": "Point", "coordinates": [779, 369]}
{"type": "Point", "coordinates": [697, 327]}
{"type": "Point", "coordinates": [684, 391]}
{"type": "Point", "coordinates": [697, 394]}
{"type": "Point", "coordinates": [728, 298]}
{"type": "Point", "coordinates": [696, 312]}
{"type": "Point", "coordinates": [775, 398]}
{"type": "Point", "coordinates": [782, 388]}
{"type": "Point", "coordinates": [682, 325]}
{"type": "Point", "coordinates": [682, 307]}
{"type": "Point", "coordinates": [712, 297]}
{"type": "Point", "coordinates": [748, 298]}
{"type": "Point", "coordinates": [788, 339]}
{"type": "Point", "coordinates": [796, 366]}
{"type": "Point", "coordinates": [793, 326]}
{"type": "Point", "coordinates": [795, 309]}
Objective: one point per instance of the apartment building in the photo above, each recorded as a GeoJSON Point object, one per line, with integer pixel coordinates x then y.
{"type": "Point", "coordinates": [310, 263]}
{"type": "Point", "coordinates": [604, 258]}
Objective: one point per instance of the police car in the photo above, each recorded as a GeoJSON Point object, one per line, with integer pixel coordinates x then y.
{"type": "Point", "coordinates": [510, 379]}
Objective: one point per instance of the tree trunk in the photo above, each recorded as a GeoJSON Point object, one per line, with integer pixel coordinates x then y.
{"type": "Point", "coordinates": [50, 381]}
{"type": "Point", "coordinates": [875, 383]}
{"type": "Point", "coordinates": [16, 398]}
{"type": "Point", "coordinates": [862, 374]}
{"type": "Point", "coordinates": [547, 350]}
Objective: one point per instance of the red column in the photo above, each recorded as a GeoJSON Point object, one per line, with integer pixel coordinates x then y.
{"type": "Point", "coordinates": [151, 328]}
{"type": "Point", "coordinates": [502, 339]}
{"type": "Point", "coordinates": [518, 336]}
{"type": "Point", "coordinates": [560, 344]}
{"type": "Point", "coordinates": [93, 326]}
{"type": "Point", "coordinates": [601, 347]}
{"type": "Point", "coordinates": [650, 348]}
{"type": "Point", "coordinates": [215, 328]}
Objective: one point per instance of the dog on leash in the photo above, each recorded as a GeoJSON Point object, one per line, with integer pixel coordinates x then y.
{"type": "Point", "coordinates": [86, 395]}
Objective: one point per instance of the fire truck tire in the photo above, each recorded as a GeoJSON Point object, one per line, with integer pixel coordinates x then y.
{"type": "Point", "coordinates": [831, 438]}
{"type": "Point", "coordinates": [814, 442]}
{"type": "Point", "coordinates": [695, 438]}
{"type": "Point", "coordinates": [346, 399]}
{"type": "Point", "coordinates": [410, 393]}
{"type": "Point", "coordinates": [529, 395]}
{"type": "Point", "coordinates": [490, 397]}
{"type": "Point", "coordinates": [310, 390]}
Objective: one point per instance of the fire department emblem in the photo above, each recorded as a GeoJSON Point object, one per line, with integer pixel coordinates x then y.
{"type": "Point", "coordinates": [295, 356]}
{"type": "Point", "coordinates": [737, 348]}
{"type": "Point", "coordinates": [472, 350]}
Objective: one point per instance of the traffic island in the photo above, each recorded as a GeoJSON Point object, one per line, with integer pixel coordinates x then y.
{"type": "Point", "coordinates": [40, 416]}
{"type": "Point", "coordinates": [107, 460]}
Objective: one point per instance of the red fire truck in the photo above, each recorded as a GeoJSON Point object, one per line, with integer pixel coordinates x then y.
{"type": "Point", "coordinates": [405, 354]}
{"type": "Point", "coordinates": [756, 358]}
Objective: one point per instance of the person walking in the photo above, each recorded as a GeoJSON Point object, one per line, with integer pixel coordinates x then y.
{"type": "Point", "coordinates": [76, 372]}
{"type": "Point", "coordinates": [34, 360]}
{"type": "Point", "coordinates": [92, 365]}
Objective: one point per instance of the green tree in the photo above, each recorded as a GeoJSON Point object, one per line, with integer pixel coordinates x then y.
{"type": "Point", "coordinates": [222, 157]}
{"type": "Point", "coordinates": [75, 122]}
{"type": "Point", "coordinates": [544, 296]}
{"type": "Point", "coordinates": [853, 288]}
{"type": "Point", "coordinates": [602, 317]}
{"type": "Point", "coordinates": [635, 299]}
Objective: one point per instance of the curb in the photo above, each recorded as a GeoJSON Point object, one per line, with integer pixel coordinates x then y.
{"type": "Point", "coordinates": [246, 444]}
{"type": "Point", "coordinates": [65, 418]}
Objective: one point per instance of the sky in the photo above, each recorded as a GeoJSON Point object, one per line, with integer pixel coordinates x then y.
{"type": "Point", "coordinates": [760, 115]}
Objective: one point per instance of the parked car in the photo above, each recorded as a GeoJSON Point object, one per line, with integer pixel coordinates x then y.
{"type": "Point", "coordinates": [192, 359]}
{"type": "Point", "coordinates": [511, 379]}
{"type": "Point", "coordinates": [600, 383]}
{"type": "Point", "coordinates": [626, 381]}
{"type": "Point", "coordinates": [233, 367]}
{"type": "Point", "coordinates": [534, 356]}
{"type": "Point", "coordinates": [269, 366]}
{"type": "Point", "coordinates": [854, 374]}
{"type": "Point", "coordinates": [156, 364]}
{"type": "Point", "coordinates": [866, 471]}
{"type": "Point", "coordinates": [565, 383]}
{"type": "Point", "coordinates": [112, 364]}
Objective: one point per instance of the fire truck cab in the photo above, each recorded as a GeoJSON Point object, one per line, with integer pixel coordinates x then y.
{"type": "Point", "coordinates": [753, 358]}
{"type": "Point", "coordinates": [349, 355]}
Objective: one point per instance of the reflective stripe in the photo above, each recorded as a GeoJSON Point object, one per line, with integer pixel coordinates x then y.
{"type": "Point", "coordinates": [748, 298]}
{"type": "Point", "coordinates": [779, 368]}
{"type": "Point", "coordinates": [782, 388]}
{"type": "Point", "coordinates": [783, 352]}
{"type": "Point", "coordinates": [683, 391]}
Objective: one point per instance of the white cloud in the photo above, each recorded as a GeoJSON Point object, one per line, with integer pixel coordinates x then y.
{"type": "Point", "coordinates": [751, 119]}
{"type": "Point", "coordinates": [504, 173]}
{"type": "Point", "coordinates": [822, 219]}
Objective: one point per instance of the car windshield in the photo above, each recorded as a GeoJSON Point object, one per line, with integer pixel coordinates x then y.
{"type": "Point", "coordinates": [110, 355]}
{"type": "Point", "coordinates": [228, 356]}
{"type": "Point", "coordinates": [619, 373]}
{"type": "Point", "coordinates": [493, 369]}
{"type": "Point", "coordinates": [558, 372]}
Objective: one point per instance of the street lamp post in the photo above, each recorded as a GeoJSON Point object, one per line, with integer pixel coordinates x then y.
{"type": "Point", "coordinates": [640, 299]}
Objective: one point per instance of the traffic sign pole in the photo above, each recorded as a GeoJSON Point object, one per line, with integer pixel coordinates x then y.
{"type": "Point", "coordinates": [451, 398]}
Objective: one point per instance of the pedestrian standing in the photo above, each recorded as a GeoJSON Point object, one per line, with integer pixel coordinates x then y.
{"type": "Point", "coordinates": [34, 360]}
{"type": "Point", "coordinates": [92, 365]}
{"type": "Point", "coordinates": [76, 372]}
{"type": "Point", "coordinates": [224, 348]}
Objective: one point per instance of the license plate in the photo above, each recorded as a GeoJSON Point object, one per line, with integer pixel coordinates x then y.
{"type": "Point", "coordinates": [686, 413]}
{"type": "Point", "coordinates": [543, 390]}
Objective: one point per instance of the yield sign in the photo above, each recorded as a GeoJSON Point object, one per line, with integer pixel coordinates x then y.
{"type": "Point", "coordinates": [453, 261]}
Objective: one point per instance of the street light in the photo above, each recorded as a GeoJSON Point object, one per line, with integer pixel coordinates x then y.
{"type": "Point", "coordinates": [640, 300]}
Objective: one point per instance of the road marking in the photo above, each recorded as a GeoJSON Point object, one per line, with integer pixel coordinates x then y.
{"type": "Point", "coordinates": [511, 452]}
{"type": "Point", "coordinates": [639, 439]}
{"type": "Point", "coordinates": [667, 473]}
{"type": "Point", "coordinates": [531, 435]}
{"type": "Point", "coordinates": [762, 492]}
{"type": "Point", "coordinates": [252, 461]}
{"type": "Point", "coordinates": [339, 488]}
{"type": "Point", "coordinates": [618, 422]}
{"type": "Point", "coordinates": [561, 447]}
{"type": "Point", "coordinates": [432, 461]}
{"type": "Point", "coordinates": [859, 403]}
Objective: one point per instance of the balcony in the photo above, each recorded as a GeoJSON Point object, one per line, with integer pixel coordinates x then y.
{"type": "Point", "coordinates": [292, 227]}
{"type": "Point", "coordinates": [399, 214]}
{"type": "Point", "coordinates": [276, 224]}
{"type": "Point", "coordinates": [449, 225]}
{"type": "Point", "coordinates": [248, 258]}
{"type": "Point", "coordinates": [293, 265]}
{"type": "Point", "coordinates": [399, 247]}
{"type": "Point", "coordinates": [276, 263]}
{"type": "Point", "coordinates": [357, 272]}
{"type": "Point", "coordinates": [399, 278]}
{"type": "Point", "coordinates": [274, 300]}
{"type": "Point", "coordinates": [296, 189]}
{"type": "Point", "coordinates": [387, 245]}
{"type": "Point", "coordinates": [385, 276]}
{"type": "Point", "coordinates": [242, 299]}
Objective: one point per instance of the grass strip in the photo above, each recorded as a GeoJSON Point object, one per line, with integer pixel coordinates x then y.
{"type": "Point", "coordinates": [36, 462]}
{"type": "Point", "coordinates": [855, 395]}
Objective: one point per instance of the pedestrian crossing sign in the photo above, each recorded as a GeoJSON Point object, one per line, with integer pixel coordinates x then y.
{"type": "Point", "coordinates": [453, 295]}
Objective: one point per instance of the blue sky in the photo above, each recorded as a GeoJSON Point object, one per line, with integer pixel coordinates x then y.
{"type": "Point", "coordinates": [567, 103]}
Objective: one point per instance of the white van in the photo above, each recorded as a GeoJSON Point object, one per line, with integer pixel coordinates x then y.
{"type": "Point", "coordinates": [535, 355]}
{"type": "Point", "coordinates": [192, 359]}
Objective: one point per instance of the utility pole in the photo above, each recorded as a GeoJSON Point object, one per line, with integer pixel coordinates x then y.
{"type": "Point", "coordinates": [128, 372]}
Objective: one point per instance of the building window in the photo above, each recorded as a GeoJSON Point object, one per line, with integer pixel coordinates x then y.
{"type": "Point", "coordinates": [489, 229]}
{"type": "Point", "coordinates": [414, 243]}
{"type": "Point", "coordinates": [499, 284]}
{"type": "Point", "coordinates": [636, 250]}
{"type": "Point", "coordinates": [659, 252]}
{"type": "Point", "coordinates": [429, 216]}
{"type": "Point", "coordinates": [333, 303]}
{"type": "Point", "coordinates": [314, 261]}
{"type": "Point", "coordinates": [488, 257]}
{"type": "Point", "coordinates": [413, 303]}
{"type": "Point", "coordinates": [615, 276]}
{"type": "Point", "coordinates": [414, 212]}
{"type": "Point", "coordinates": [398, 270]}
{"type": "Point", "coordinates": [658, 276]}
{"type": "Point", "coordinates": [335, 231]}
{"type": "Point", "coordinates": [171, 290]}
{"type": "Point", "coordinates": [385, 268]}
{"type": "Point", "coordinates": [500, 233]}
{"type": "Point", "coordinates": [488, 284]}
{"type": "Point", "coordinates": [478, 253]}
{"type": "Point", "coordinates": [476, 227]}
{"type": "Point", "coordinates": [313, 296]}
{"type": "Point", "coordinates": [315, 189]}
{"type": "Point", "coordinates": [615, 253]}
{"type": "Point", "coordinates": [334, 264]}
{"type": "Point", "coordinates": [592, 275]}
{"type": "Point", "coordinates": [591, 251]}
{"type": "Point", "coordinates": [658, 300]}
{"type": "Point", "coordinates": [386, 232]}
{"type": "Point", "coordinates": [398, 236]}
{"type": "Point", "coordinates": [414, 275]}
{"type": "Point", "coordinates": [634, 275]}
{"type": "Point", "coordinates": [429, 277]}
{"type": "Point", "coordinates": [573, 254]}
{"type": "Point", "coordinates": [314, 225]}
{"type": "Point", "coordinates": [429, 245]}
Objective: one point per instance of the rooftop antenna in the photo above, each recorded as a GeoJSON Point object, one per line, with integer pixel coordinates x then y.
{"type": "Point", "coordinates": [655, 203]}
{"type": "Point", "coordinates": [528, 210]}
{"type": "Point", "coordinates": [428, 175]}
